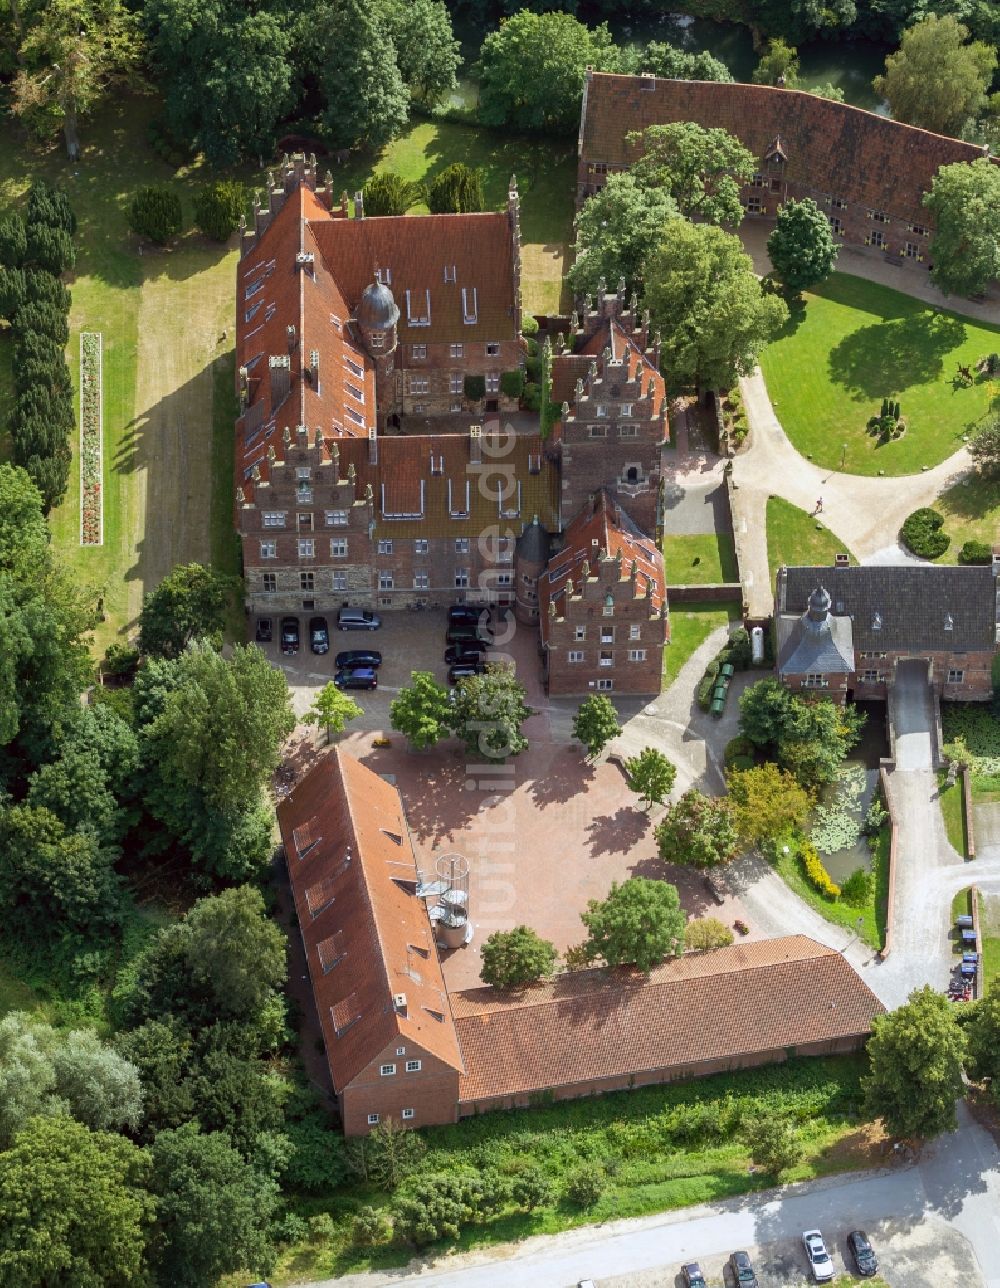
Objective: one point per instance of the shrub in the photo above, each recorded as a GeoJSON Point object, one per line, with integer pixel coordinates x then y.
{"type": "Point", "coordinates": [585, 1185]}
{"type": "Point", "coordinates": [120, 659]}
{"type": "Point", "coordinates": [156, 213]}
{"type": "Point", "coordinates": [737, 749]}
{"type": "Point", "coordinates": [218, 207]}
{"type": "Point", "coordinates": [318, 1159]}
{"type": "Point", "coordinates": [13, 291]}
{"type": "Point", "coordinates": [475, 388]}
{"type": "Point", "coordinates": [531, 1189]}
{"type": "Point", "coordinates": [512, 383]}
{"type": "Point", "coordinates": [976, 552]}
{"type": "Point", "coordinates": [389, 194]}
{"type": "Point", "coordinates": [435, 1208]}
{"type": "Point", "coordinates": [457, 190]}
{"type": "Point", "coordinates": [531, 397]}
{"type": "Point", "coordinates": [50, 206]}
{"type": "Point", "coordinates": [816, 873]}
{"type": "Point", "coordinates": [49, 248]}
{"type": "Point", "coordinates": [370, 1227]}
{"type": "Point", "coordinates": [707, 932]}
{"type": "Point", "coordinates": [386, 1156]}
{"type": "Point", "coordinates": [921, 533]}
{"type": "Point", "coordinates": [529, 325]}
{"type": "Point", "coordinates": [321, 1227]}
{"type": "Point", "coordinates": [13, 241]}
{"type": "Point", "coordinates": [773, 1144]}
{"type": "Point", "coordinates": [857, 889]}
{"type": "Point", "coordinates": [290, 1228]}
{"type": "Point", "coordinates": [707, 683]}
{"type": "Point", "coordinates": [42, 288]}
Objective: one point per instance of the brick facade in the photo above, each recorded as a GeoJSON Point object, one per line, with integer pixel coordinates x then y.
{"type": "Point", "coordinates": [427, 1096]}
{"type": "Point", "coordinates": [876, 672]}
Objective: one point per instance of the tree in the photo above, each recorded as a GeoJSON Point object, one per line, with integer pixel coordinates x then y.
{"type": "Point", "coordinates": [706, 301]}
{"type": "Point", "coordinates": [513, 958]}
{"type": "Point", "coordinates": [332, 709]}
{"type": "Point", "coordinates": [218, 207]}
{"type": "Point", "coordinates": [13, 240]}
{"type": "Point", "coordinates": [764, 712]}
{"type": "Point", "coordinates": [705, 933]}
{"type": "Point", "coordinates": [531, 71]}
{"type": "Point", "coordinates": [702, 169]}
{"type": "Point", "coordinates": [213, 1208]}
{"type": "Point", "coordinates": [801, 246]}
{"type": "Point", "coordinates": [982, 1057]}
{"type": "Point", "coordinates": [49, 248]}
{"type": "Point", "coordinates": [774, 1144]}
{"type": "Point", "coordinates": [426, 49]}
{"type": "Point", "coordinates": [458, 189]}
{"type": "Point", "coordinates": [639, 924]}
{"type": "Point", "coordinates": [596, 723]}
{"type": "Point", "coordinates": [73, 52]}
{"type": "Point", "coordinates": [616, 230]}
{"type": "Point", "coordinates": [75, 789]}
{"type": "Point", "coordinates": [810, 739]}
{"type": "Point", "coordinates": [662, 59]}
{"type": "Point", "coordinates": [965, 248]}
{"type": "Point", "coordinates": [101, 1088]}
{"type": "Point", "coordinates": [489, 711]}
{"type": "Point", "coordinates": [779, 65]}
{"type": "Point", "coordinates": [387, 1155]}
{"type": "Point", "coordinates": [936, 80]}
{"type": "Point", "coordinates": [225, 70]}
{"type": "Point", "coordinates": [435, 1207]}
{"type": "Point", "coordinates": [50, 205]}
{"type": "Point", "coordinates": [73, 1209]}
{"type": "Point", "coordinates": [389, 194]}
{"type": "Point", "coordinates": [156, 213]}
{"type": "Point", "coordinates": [916, 1055]}
{"type": "Point", "coordinates": [421, 711]}
{"type": "Point", "coordinates": [367, 103]}
{"type": "Point", "coordinates": [650, 775]}
{"type": "Point", "coordinates": [698, 830]}
{"type": "Point", "coordinates": [984, 448]}
{"type": "Point", "coordinates": [767, 802]}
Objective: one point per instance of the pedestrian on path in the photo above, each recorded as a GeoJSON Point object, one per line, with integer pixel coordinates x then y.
{"type": "Point", "coordinates": [819, 506]}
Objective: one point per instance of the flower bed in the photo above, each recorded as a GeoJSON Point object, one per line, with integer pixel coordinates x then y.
{"type": "Point", "coordinates": [91, 440]}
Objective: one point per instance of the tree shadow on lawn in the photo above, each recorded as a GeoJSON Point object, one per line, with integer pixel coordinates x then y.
{"type": "Point", "coordinates": [888, 357]}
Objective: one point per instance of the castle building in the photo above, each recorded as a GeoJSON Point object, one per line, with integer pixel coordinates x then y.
{"type": "Point", "coordinates": [868, 173]}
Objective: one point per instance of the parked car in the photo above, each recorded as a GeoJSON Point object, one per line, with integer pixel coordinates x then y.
{"type": "Point", "coordinates": [462, 671]}
{"type": "Point", "coordinates": [473, 614]}
{"type": "Point", "coordinates": [463, 634]}
{"type": "Point", "coordinates": [820, 1265]}
{"type": "Point", "coordinates": [693, 1278]}
{"type": "Point", "coordinates": [863, 1253]}
{"type": "Point", "coordinates": [319, 635]}
{"type": "Point", "coordinates": [289, 635]}
{"type": "Point", "coordinates": [359, 677]}
{"type": "Point", "coordinates": [358, 619]}
{"type": "Point", "coordinates": [470, 651]}
{"type": "Point", "coordinates": [264, 629]}
{"type": "Point", "coordinates": [742, 1268]}
{"type": "Point", "coordinates": [358, 657]}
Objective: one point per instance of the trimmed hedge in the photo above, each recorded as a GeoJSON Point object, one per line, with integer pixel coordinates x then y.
{"type": "Point", "coordinates": [736, 650]}
{"type": "Point", "coordinates": [218, 207]}
{"type": "Point", "coordinates": [512, 383]}
{"type": "Point", "coordinates": [922, 533]}
{"type": "Point", "coordinates": [816, 873]}
{"type": "Point", "coordinates": [976, 552]}
{"type": "Point", "coordinates": [156, 213]}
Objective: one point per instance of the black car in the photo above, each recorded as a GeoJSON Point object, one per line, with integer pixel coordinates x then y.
{"type": "Point", "coordinates": [462, 671]}
{"type": "Point", "coordinates": [319, 635]}
{"type": "Point", "coordinates": [289, 635]}
{"type": "Point", "coordinates": [464, 633]}
{"type": "Point", "coordinates": [472, 614]}
{"type": "Point", "coordinates": [264, 628]}
{"type": "Point", "coordinates": [360, 677]}
{"type": "Point", "coordinates": [742, 1268]}
{"type": "Point", "coordinates": [863, 1253]}
{"type": "Point", "coordinates": [693, 1278]}
{"type": "Point", "coordinates": [358, 657]}
{"type": "Point", "coordinates": [470, 651]}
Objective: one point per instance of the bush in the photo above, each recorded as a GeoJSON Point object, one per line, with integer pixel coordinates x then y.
{"type": "Point", "coordinates": [707, 683]}
{"type": "Point", "coordinates": [435, 1208]}
{"type": "Point", "coordinates": [773, 1145]}
{"type": "Point", "coordinates": [218, 207]}
{"type": "Point", "coordinates": [921, 533]}
{"type": "Point", "coordinates": [976, 552]}
{"type": "Point", "coordinates": [738, 749]}
{"type": "Point", "coordinates": [389, 194]}
{"type": "Point", "coordinates": [531, 397]}
{"type": "Point", "coordinates": [13, 291]}
{"type": "Point", "coordinates": [120, 659]}
{"type": "Point", "coordinates": [49, 248]}
{"type": "Point", "coordinates": [585, 1185]}
{"type": "Point", "coordinates": [321, 1227]}
{"type": "Point", "coordinates": [531, 1189]}
{"type": "Point", "coordinates": [529, 325]}
{"type": "Point", "coordinates": [370, 1227]}
{"type": "Point", "coordinates": [857, 889]}
{"type": "Point", "coordinates": [707, 932]}
{"type": "Point", "coordinates": [156, 213]}
{"type": "Point", "coordinates": [457, 190]}
{"type": "Point", "coordinates": [816, 873]}
{"type": "Point", "coordinates": [318, 1160]}
{"type": "Point", "coordinates": [512, 383]}
{"type": "Point", "coordinates": [475, 388]}
{"type": "Point", "coordinates": [13, 241]}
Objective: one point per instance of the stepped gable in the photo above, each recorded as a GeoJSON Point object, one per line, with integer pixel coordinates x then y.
{"type": "Point", "coordinates": [832, 148]}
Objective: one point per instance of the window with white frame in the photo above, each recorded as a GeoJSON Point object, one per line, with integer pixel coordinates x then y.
{"type": "Point", "coordinates": [493, 382]}
{"type": "Point", "coordinates": [870, 677]}
{"type": "Point", "coordinates": [457, 350]}
{"type": "Point", "coordinates": [607, 634]}
{"type": "Point", "coordinates": [387, 1070]}
{"type": "Point", "coordinates": [492, 348]}
{"type": "Point", "coordinates": [597, 431]}
{"type": "Point", "coordinates": [273, 518]}
{"type": "Point", "coordinates": [461, 578]}
{"type": "Point", "coordinates": [418, 311]}
{"type": "Point", "coordinates": [607, 657]}
{"type": "Point", "coordinates": [637, 655]}
{"type": "Point", "coordinates": [878, 216]}
{"type": "Point", "coordinates": [407, 1114]}
{"type": "Point", "coordinates": [837, 225]}
{"type": "Point", "coordinates": [372, 1120]}
{"type": "Point", "coordinates": [376, 339]}
{"type": "Point", "coordinates": [338, 547]}
{"type": "Point", "coordinates": [356, 393]}
{"type": "Point", "coordinates": [401, 1050]}
{"type": "Point", "coordinates": [383, 276]}
{"type": "Point", "coordinates": [419, 384]}
{"type": "Point", "coordinates": [269, 550]}
{"type": "Point", "coordinates": [876, 238]}
{"type": "Point", "coordinates": [575, 655]}
{"type": "Point", "coordinates": [815, 681]}
{"type": "Point", "coordinates": [307, 581]}
{"type": "Point", "coordinates": [505, 579]}
{"type": "Point", "coordinates": [450, 273]}
{"type": "Point", "coordinates": [307, 548]}
{"type": "Point", "coordinates": [758, 181]}
{"type": "Point", "coordinates": [413, 1066]}
{"type": "Point", "coordinates": [385, 547]}
{"type": "Point", "coordinates": [626, 409]}
{"type": "Point", "coordinates": [461, 545]}
{"type": "Point", "coordinates": [420, 546]}
{"type": "Point", "coordinates": [605, 686]}
{"type": "Point", "coordinates": [609, 607]}
{"type": "Point", "coordinates": [339, 581]}
{"type": "Point", "coordinates": [470, 305]}
{"type": "Point", "coordinates": [754, 205]}
{"type": "Point", "coordinates": [838, 203]}
{"type": "Point", "coordinates": [455, 406]}
{"type": "Point", "coordinates": [580, 633]}
{"type": "Point", "coordinates": [421, 581]}
{"type": "Point", "coordinates": [385, 581]}
{"type": "Point", "coordinates": [455, 383]}
{"type": "Point", "coordinates": [354, 367]}
{"type": "Point", "coordinates": [602, 411]}
{"type": "Point", "coordinates": [335, 518]}
{"type": "Point", "coordinates": [956, 676]}
{"type": "Point", "coordinates": [269, 583]}
{"type": "Point", "coordinates": [418, 352]}
{"type": "Point", "coordinates": [303, 493]}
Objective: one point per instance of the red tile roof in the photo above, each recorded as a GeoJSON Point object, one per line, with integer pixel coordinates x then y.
{"type": "Point", "coordinates": [832, 148]}
{"type": "Point", "coordinates": [567, 368]}
{"type": "Point", "coordinates": [715, 1006]}
{"type": "Point", "coordinates": [367, 935]}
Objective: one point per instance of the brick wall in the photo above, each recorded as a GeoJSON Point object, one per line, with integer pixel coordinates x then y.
{"type": "Point", "coordinates": [976, 684]}
{"type": "Point", "coordinates": [432, 376]}
{"type": "Point", "coordinates": [605, 642]}
{"type": "Point", "coordinates": [431, 1092]}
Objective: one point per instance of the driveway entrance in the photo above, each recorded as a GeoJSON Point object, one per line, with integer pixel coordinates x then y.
{"type": "Point", "coordinates": [912, 711]}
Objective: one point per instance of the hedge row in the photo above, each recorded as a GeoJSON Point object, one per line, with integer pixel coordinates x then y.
{"type": "Point", "coordinates": [736, 650]}
{"type": "Point", "coordinates": [816, 873]}
{"type": "Point", "coordinates": [35, 250]}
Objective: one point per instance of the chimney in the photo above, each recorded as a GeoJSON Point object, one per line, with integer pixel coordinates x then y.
{"type": "Point", "coordinates": [291, 334]}
{"type": "Point", "coordinates": [373, 445]}
{"type": "Point", "coordinates": [399, 1002]}
{"type": "Point", "coordinates": [301, 436]}
{"type": "Point", "coordinates": [280, 367]}
{"type": "Point", "coordinates": [602, 291]}
{"type": "Point", "coordinates": [359, 205]}
{"type": "Point", "coordinates": [335, 462]}
{"type": "Point", "coordinates": [476, 444]}
{"type": "Point", "coordinates": [314, 368]}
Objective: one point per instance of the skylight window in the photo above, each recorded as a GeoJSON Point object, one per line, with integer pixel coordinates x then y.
{"type": "Point", "coordinates": [470, 305]}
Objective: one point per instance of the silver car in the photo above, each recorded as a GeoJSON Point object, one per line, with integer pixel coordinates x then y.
{"type": "Point", "coordinates": [819, 1259]}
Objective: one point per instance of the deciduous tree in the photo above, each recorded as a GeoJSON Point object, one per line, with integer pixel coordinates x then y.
{"type": "Point", "coordinates": [774, 1144]}
{"type": "Point", "coordinates": [421, 711]}
{"type": "Point", "coordinates": [703, 169]}
{"type": "Point", "coordinates": [426, 49]}
{"type": "Point", "coordinates": [705, 299]}
{"type": "Point", "coordinates": [332, 709]}
{"type": "Point", "coordinates": [984, 448]}
{"type": "Point", "coordinates": [387, 1155]}
{"type": "Point", "coordinates": [707, 932]}
{"type": "Point", "coordinates": [639, 924]}
{"type": "Point", "coordinates": [916, 1055]}
{"type": "Point", "coordinates": [965, 249]}
{"type": "Point", "coordinates": [659, 58]}
{"type": "Point", "coordinates": [801, 246]}
{"type": "Point", "coordinates": [650, 775]}
{"type": "Point", "coordinates": [596, 723]}
{"type": "Point", "coordinates": [489, 711]}
{"type": "Point", "coordinates": [616, 230]}
{"type": "Point", "coordinates": [982, 1056]}
{"type": "Point", "coordinates": [935, 79]}
{"type": "Point", "coordinates": [767, 801]}
{"type": "Point", "coordinates": [367, 103]}
{"type": "Point", "coordinates": [698, 830]}
{"type": "Point", "coordinates": [779, 65]}
{"type": "Point", "coordinates": [513, 958]}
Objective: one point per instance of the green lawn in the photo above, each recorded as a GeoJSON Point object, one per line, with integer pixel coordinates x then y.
{"type": "Point", "coordinates": [953, 812]}
{"type": "Point", "coordinates": [690, 626]}
{"type": "Point", "coordinates": [989, 926]}
{"type": "Point", "coordinates": [873, 913]}
{"type": "Point", "coordinates": [853, 343]}
{"type": "Point", "coordinates": [971, 510]}
{"type": "Point", "coordinates": [794, 537]}
{"type": "Point", "coordinates": [700, 560]}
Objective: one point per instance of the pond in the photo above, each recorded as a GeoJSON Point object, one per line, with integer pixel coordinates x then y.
{"type": "Point", "coordinates": [842, 807]}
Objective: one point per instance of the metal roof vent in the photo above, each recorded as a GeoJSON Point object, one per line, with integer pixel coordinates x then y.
{"type": "Point", "coordinates": [399, 1001]}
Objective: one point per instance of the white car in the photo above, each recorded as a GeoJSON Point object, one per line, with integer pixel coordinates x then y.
{"type": "Point", "coordinates": [819, 1259]}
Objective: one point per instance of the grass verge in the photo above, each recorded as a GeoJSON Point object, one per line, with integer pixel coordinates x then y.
{"type": "Point", "coordinates": [873, 913]}
{"type": "Point", "coordinates": [705, 559]}
{"type": "Point", "coordinates": [953, 813]}
{"type": "Point", "coordinates": [690, 627]}
{"type": "Point", "coordinates": [853, 343]}
{"type": "Point", "coordinates": [971, 509]}
{"type": "Point", "coordinates": [794, 537]}
{"type": "Point", "coordinates": [989, 927]}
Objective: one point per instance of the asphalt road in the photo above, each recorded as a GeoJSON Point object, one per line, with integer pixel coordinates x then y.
{"type": "Point", "coordinates": [954, 1187]}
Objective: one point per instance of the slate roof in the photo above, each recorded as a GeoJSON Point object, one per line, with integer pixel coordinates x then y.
{"type": "Point", "coordinates": [586, 1026]}
{"type": "Point", "coordinates": [367, 935]}
{"type": "Point", "coordinates": [815, 642]}
{"type": "Point", "coordinates": [832, 148]}
{"type": "Point", "coordinates": [903, 607]}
